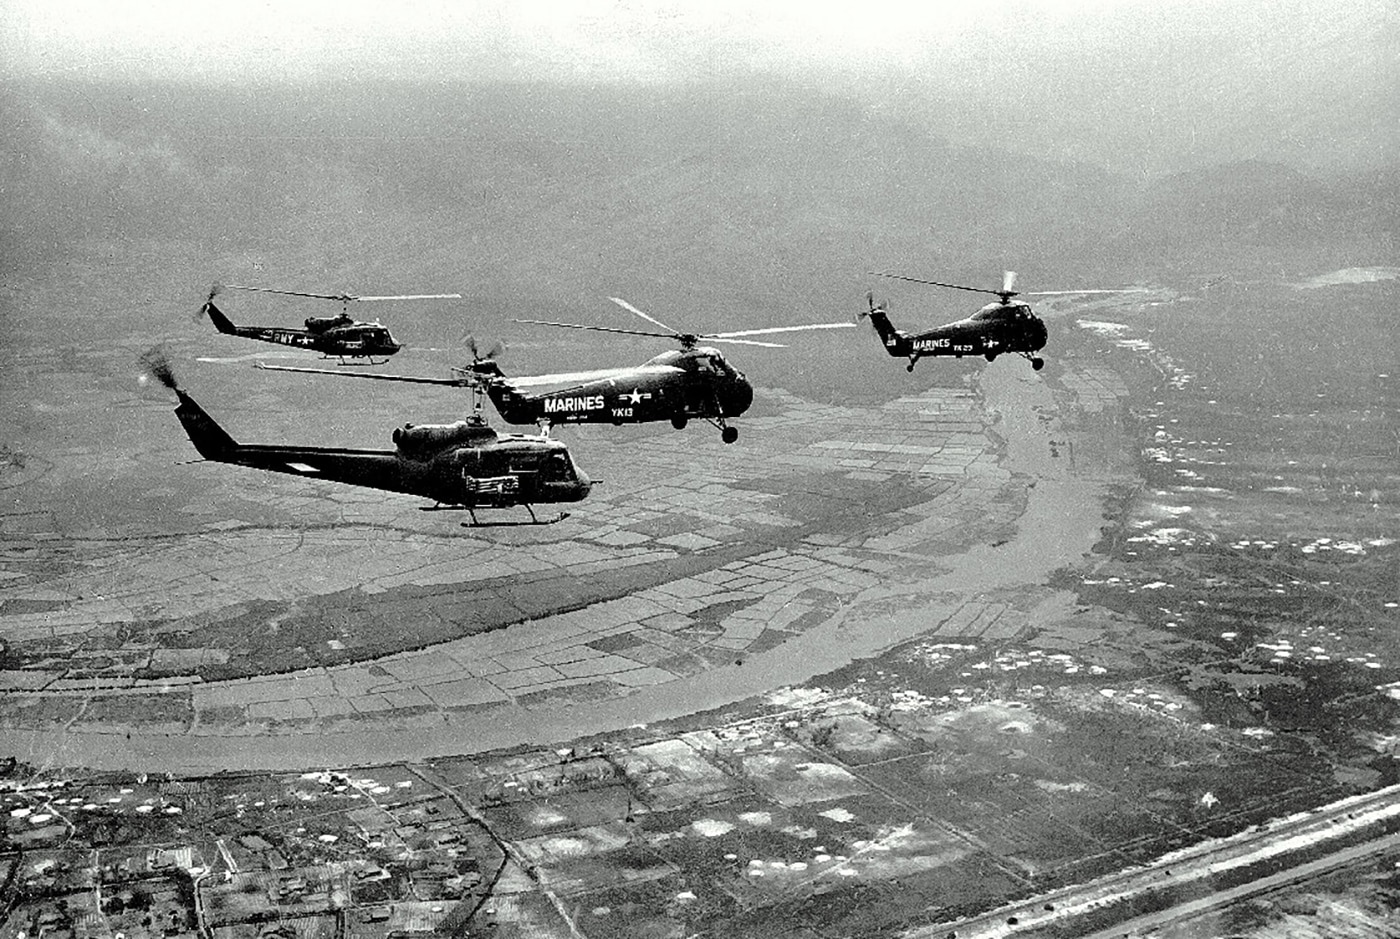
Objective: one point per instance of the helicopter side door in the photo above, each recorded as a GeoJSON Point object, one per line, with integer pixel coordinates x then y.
{"type": "Point", "coordinates": [493, 477]}
{"type": "Point", "coordinates": [704, 375]}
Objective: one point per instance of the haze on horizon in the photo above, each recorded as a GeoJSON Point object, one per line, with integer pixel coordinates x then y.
{"type": "Point", "coordinates": [1141, 87]}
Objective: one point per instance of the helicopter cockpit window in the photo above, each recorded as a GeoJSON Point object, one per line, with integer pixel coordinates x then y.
{"type": "Point", "coordinates": [557, 467]}
{"type": "Point", "coordinates": [707, 365]}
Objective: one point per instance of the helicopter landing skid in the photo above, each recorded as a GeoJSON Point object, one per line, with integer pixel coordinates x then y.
{"type": "Point", "coordinates": [340, 360]}
{"type": "Point", "coordinates": [476, 523]}
{"type": "Point", "coordinates": [533, 521]}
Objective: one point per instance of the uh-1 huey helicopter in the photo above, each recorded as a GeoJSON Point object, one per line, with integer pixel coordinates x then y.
{"type": "Point", "coordinates": [692, 382]}
{"type": "Point", "coordinates": [466, 465]}
{"type": "Point", "coordinates": [338, 336]}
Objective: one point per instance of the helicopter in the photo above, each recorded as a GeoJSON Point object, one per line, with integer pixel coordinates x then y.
{"type": "Point", "coordinates": [692, 382]}
{"type": "Point", "coordinates": [998, 327]}
{"type": "Point", "coordinates": [1001, 327]}
{"type": "Point", "coordinates": [333, 336]}
{"type": "Point", "coordinates": [465, 465]}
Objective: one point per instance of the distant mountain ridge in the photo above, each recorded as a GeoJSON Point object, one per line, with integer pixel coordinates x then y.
{"type": "Point", "coordinates": [553, 185]}
{"type": "Point", "coordinates": [1262, 203]}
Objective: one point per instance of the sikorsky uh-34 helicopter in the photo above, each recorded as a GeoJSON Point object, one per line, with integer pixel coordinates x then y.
{"type": "Point", "coordinates": [1001, 327]}
{"type": "Point", "coordinates": [338, 336]}
{"type": "Point", "coordinates": [998, 327]}
{"type": "Point", "coordinates": [692, 382]}
{"type": "Point", "coordinates": [466, 465]}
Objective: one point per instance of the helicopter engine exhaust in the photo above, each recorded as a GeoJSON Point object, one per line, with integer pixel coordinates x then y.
{"type": "Point", "coordinates": [417, 440]}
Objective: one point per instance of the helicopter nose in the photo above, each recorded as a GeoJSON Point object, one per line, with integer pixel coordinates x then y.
{"type": "Point", "coordinates": [584, 485]}
{"type": "Point", "coordinates": [739, 398]}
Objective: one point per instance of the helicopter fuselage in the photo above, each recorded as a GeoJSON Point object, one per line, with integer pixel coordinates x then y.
{"type": "Point", "coordinates": [333, 336]}
{"type": "Point", "coordinates": [465, 464]}
{"type": "Point", "coordinates": [995, 329]}
{"type": "Point", "coordinates": [676, 386]}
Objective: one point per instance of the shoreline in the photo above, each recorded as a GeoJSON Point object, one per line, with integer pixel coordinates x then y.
{"type": "Point", "coordinates": [1059, 525]}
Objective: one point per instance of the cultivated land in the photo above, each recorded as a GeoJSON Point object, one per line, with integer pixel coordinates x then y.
{"type": "Point", "coordinates": [993, 656]}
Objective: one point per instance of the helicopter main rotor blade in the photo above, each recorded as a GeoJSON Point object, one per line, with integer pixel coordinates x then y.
{"type": "Point", "coordinates": [1076, 293]}
{"type": "Point", "coordinates": [743, 342]}
{"type": "Point", "coordinates": [601, 329]}
{"type": "Point", "coordinates": [937, 283]}
{"type": "Point", "coordinates": [646, 316]}
{"type": "Point", "coordinates": [776, 329]}
{"type": "Point", "coordinates": [602, 374]}
{"type": "Point", "coordinates": [346, 297]}
{"type": "Point", "coordinates": [415, 296]}
{"type": "Point", "coordinates": [291, 293]}
{"type": "Point", "coordinates": [451, 382]}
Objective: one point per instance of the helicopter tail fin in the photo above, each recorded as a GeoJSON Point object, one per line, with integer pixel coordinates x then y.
{"type": "Point", "coordinates": [221, 322]}
{"type": "Point", "coordinates": [211, 440]}
{"type": "Point", "coordinates": [509, 402]}
{"type": "Point", "coordinates": [896, 341]}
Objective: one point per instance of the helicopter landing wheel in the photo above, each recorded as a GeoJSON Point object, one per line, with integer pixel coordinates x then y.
{"type": "Point", "coordinates": [991, 356]}
{"type": "Point", "coordinates": [729, 434]}
{"type": "Point", "coordinates": [909, 367]}
{"type": "Point", "coordinates": [679, 422]}
{"type": "Point", "coordinates": [1037, 363]}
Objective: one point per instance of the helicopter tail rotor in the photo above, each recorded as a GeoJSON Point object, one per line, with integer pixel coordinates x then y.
{"type": "Point", "coordinates": [496, 349]}
{"type": "Point", "coordinates": [207, 309]}
{"type": "Point", "coordinates": [483, 366]}
{"type": "Point", "coordinates": [203, 311]}
{"type": "Point", "coordinates": [211, 440]}
{"type": "Point", "coordinates": [872, 307]}
{"type": "Point", "coordinates": [155, 362]}
{"type": "Point", "coordinates": [482, 371]}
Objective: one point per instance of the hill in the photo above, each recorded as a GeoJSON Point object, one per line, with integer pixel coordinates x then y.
{"type": "Point", "coordinates": [713, 205]}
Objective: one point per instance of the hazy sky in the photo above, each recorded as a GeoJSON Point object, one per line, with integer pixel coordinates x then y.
{"type": "Point", "coordinates": [627, 39]}
{"type": "Point", "coordinates": [1138, 85]}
